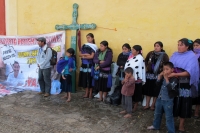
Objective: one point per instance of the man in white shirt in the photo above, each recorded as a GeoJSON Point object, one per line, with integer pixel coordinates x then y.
{"type": "Point", "coordinates": [16, 78]}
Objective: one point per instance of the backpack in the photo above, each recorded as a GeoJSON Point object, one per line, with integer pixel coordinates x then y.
{"type": "Point", "coordinates": [53, 59]}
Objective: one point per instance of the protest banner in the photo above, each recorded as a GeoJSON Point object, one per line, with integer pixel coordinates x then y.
{"type": "Point", "coordinates": [18, 67]}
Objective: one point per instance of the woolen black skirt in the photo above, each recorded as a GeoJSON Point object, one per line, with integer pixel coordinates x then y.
{"type": "Point", "coordinates": [85, 78]}
{"type": "Point", "coordinates": [183, 104]}
{"type": "Point", "coordinates": [137, 96]}
{"type": "Point", "coordinates": [101, 83]}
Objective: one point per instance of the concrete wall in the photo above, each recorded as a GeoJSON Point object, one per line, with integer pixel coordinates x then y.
{"type": "Point", "coordinates": [136, 21]}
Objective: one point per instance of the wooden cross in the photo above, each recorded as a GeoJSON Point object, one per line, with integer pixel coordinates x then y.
{"type": "Point", "coordinates": [74, 27]}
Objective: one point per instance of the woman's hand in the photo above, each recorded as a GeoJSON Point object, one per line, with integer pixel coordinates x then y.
{"type": "Point", "coordinates": [97, 68]}
{"type": "Point", "coordinates": [101, 61]}
{"type": "Point", "coordinates": [121, 67]}
{"type": "Point", "coordinates": [63, 77]}
{"type": "Point", "coordinates": [70, 69]}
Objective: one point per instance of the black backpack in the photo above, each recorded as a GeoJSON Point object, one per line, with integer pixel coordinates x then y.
{"type": "Point", "coordinates": [53, 59]}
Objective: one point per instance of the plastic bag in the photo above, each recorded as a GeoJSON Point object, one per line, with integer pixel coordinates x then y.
{"type": "Point", "coordinates": [55, 87]}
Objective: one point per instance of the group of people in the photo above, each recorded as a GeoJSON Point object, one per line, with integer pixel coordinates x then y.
{"type": "Point", "coordinates": [172, 83]}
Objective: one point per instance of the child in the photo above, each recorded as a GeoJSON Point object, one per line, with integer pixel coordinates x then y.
{"type": "Point", "coordinates": [127, 92]}
{"type": "Point", "coordinates": [66, 73]}
{"type": "Point", "coordinates": [164, 102]}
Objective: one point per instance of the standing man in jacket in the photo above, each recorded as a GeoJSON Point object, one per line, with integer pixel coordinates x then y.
{"type": "Point", "coordinates": [43, 61]}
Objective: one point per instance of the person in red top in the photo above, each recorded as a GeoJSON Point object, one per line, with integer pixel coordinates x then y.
{"type": "Point", "coordinates": [127, 91]}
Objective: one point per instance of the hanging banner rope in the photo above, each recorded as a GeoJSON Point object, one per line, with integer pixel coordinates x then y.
{"type": "Point", "coordinates": [79, 39]}
{"type": "Point", "coordinates": [108, 28]}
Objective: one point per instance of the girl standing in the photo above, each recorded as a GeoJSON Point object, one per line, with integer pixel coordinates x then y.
{"type": "Point", "coordinates": [187, 70]}
{"type": "Point", "coordinates": [103, 60]}
{"type": "Point", "coordinates": [66, 73]}
{"type": "Point", "coordinates": [87, 54]}
{"type": "Point", "coordinates": [121, 60]}
{"type": "Point", "coordinates": [153, 62]}
{"type": "Point", "coordinates": [138, 66]}
{"type": "Point", "coordinates": [196, 101]}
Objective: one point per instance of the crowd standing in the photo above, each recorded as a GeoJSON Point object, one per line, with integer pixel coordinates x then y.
{"type": "Point", "coordinates": [173, 82]}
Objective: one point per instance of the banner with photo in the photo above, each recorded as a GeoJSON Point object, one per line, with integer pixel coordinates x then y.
{"type": "Point", "coordinates": [18, 67]}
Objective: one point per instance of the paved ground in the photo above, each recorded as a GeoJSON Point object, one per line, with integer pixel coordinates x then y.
{"type": "Point", "coordinates": [28, 112]}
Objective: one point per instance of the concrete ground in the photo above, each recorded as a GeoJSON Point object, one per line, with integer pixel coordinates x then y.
{"type": "Point", "coordinates": [27, 112]}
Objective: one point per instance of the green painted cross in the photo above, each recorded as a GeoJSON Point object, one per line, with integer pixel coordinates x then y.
{"type": "Point", "coordinates": [74, 27]}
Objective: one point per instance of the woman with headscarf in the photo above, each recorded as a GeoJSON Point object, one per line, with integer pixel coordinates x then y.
{"type": "Point", "coordinates": [102, 75]}
{"type": "Point", "coordinates": [196, 101]}
{"type": "Point", "coordinates": [138, 66]}
{"type": "Point", "coordinates": [187, 70]}
{"type": "Point", "coordinates": [154, 65]}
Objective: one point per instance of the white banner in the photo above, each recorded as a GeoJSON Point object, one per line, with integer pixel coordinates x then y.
{"type": "Point", "coordinates": [18, 68]}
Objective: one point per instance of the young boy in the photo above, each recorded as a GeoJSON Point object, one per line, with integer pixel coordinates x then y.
{"type": "Point", "coordinates": [164, 102]}
{"type": "Point", "coordinates": [127, 92]}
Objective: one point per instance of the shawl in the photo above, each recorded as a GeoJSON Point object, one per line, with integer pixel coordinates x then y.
{"type": "Point", "coordinates": [93, 46]}
{"type": "Point", "coordinates": [197, 52]}
{"type": "Point", "coordinates": [157, 65]}
{"type": "Point", "coordinates": [138, 66]}
{"type": "Point", "coordinates": [102, 55]}
{"type": "Point", "coordinates": [88, 48]}
{"type": "Point", "coordinates": [62, 63]}
{"type": "Point", "coordinates": [188, 62]}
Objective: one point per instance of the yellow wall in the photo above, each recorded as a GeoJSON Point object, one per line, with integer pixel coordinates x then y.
{"type": "Point", "coordinates": [137, 21]}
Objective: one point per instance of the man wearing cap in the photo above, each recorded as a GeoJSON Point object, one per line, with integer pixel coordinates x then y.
{"type": "Point", "coordinates": [43, 61]}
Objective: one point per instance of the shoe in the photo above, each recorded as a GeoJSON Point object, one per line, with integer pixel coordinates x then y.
{"type": "Point", "coordinates": [41, 93]}
{"type": "Point", "coordinates": [196, 117]}
{"type": "Point", "coordinates": [46, 94]}
{"type": "Point", "coordinates": [151, 128]}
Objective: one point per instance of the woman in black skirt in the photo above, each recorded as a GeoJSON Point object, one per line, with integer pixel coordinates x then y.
{"type": "Point", "coordinates": [102, 75]}
{"type": "Point", "coordinates": [138, 66]}
{"type": "Point", "coordinates": [187, 70]}
{"type": "Point", "coordinates": [196, 101]}
{"type": "Point", "coordinates": [153, 63]}
{"type": "Point", "coordinates": [87, 54]}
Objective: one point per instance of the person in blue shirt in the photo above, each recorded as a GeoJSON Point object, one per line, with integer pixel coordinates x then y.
{"type": "Point", "coordinates": [66, 73]}
{"type": "Point", "coordinates": [164, 103]}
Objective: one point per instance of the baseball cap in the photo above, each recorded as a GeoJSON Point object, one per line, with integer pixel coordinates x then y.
{"type": "Point", "coordinates": [42, 39]}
